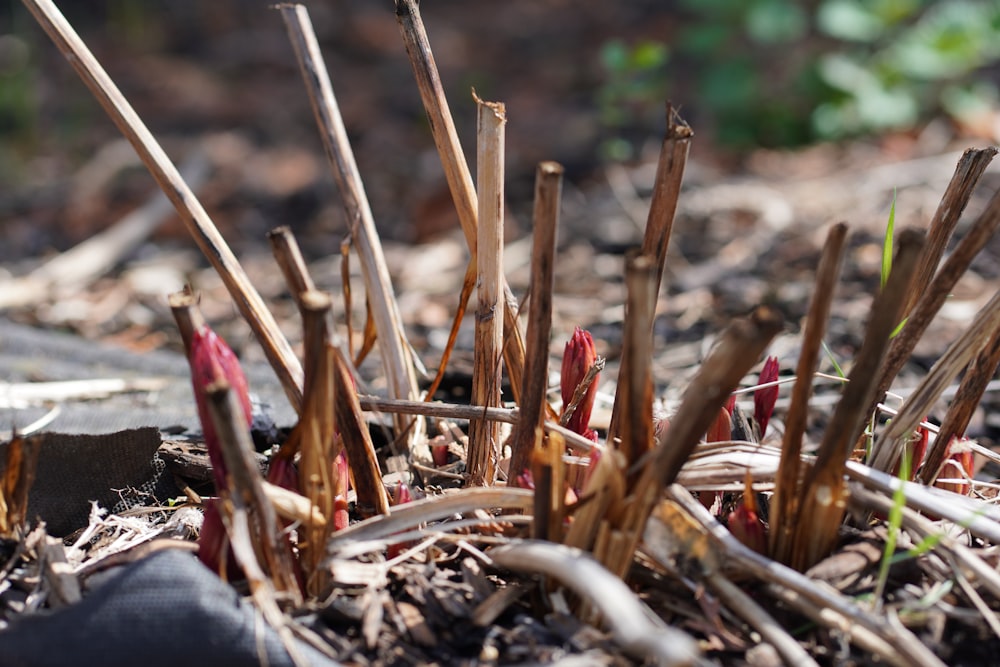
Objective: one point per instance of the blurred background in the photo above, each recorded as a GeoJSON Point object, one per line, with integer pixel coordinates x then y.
{"type": "Point", "coordinates": [803, 113]}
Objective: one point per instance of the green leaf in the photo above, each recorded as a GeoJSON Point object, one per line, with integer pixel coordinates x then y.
{"type": "Point", "coordinates": [887, 243]}
{"type": "Point", "coordinates": [833, 360]}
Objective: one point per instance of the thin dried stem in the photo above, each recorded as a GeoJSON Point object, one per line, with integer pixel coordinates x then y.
{"type": "Point", "coordinates": [888, 447]}
{"type": "Point", "coordinates": [548, 188]}
{"type": "Point", "coordinates": [246, 489]}
{"type": "Point", "coordinates": [656, 239]}
{"type": "Point", "coordinates": [637, 385]}
{"type": "Point", "coordinates": [580, 392]}
{"type": "Point", "coordinates": [968, 397]}
{"type": "Point", "coordinates": [484, 436]}
{"type": "Point", "coordinates": [956, 197]}
{"type": "Point", "coordinates": [456, 169]}
{"type": "Point", "coordinates": [372, 498]}
{"type": "Point", "coordinates": [293, 267]}
{"type": "Point", "coordinates": [468, 283]}
{"type": "Point", "coordinates": [276, 348]}
{"type": "Point", "coordinates": [981, 231]}
{"type": "Point", "coordinates": [639, 632]}
{"type": "Point", "coordinates": [823, 488]}
{"type": "Point", "coordinates": [396, 354]}
{"type": "Point", "coordinates": [786, 493]}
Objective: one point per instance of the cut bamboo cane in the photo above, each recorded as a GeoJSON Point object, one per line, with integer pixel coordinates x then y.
{"type": "Point", "coordinates": [484, 435]}
{"type": "Point", "coordinates": [823, 488]}
{"type": "Point", "coordinates": [396, 354]}
{"type": "Point", "coordinates": [276, 348]}
{"type": "Point", "coordinates": [456, 169]}
{"type": "Point", "coordinates": [963, 406]}
{"type": "Point", "coordinates": [659, 224]}
{"type": "Point", "coordinates": [637, 422]}
{"type": "Point", "coordinates": [786, 493]}
{"type": "Point", "coordinates": [981, 231]}
{"type": "Point", "coordinates": [548, 187]}
{"type": "Point", "coordinates": [956, 197]}
{"type": "Point", "coordinates": [888, 447]}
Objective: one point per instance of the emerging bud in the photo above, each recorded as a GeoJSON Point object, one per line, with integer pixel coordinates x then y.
{"type": "Point", "coordinates": [960, 465]}
{"type": "Point", "coordinates": [745, 524]}
{"type": "Point", "coordinates": [579, 355]}
{"type": "Point", "coordinates": [213, 543]}
{"type": "Point", "coordinates": [764, 399]}
{"type": "Point", "coordinates": [212, 361]}
{"type": "Point", "coordinates": [401, 494]}
{"type": "Point", "coordinates": [721, 429]}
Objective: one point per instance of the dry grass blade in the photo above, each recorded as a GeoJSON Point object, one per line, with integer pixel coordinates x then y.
{"type": "Point", "coordinates": [956, 197]}
{"type": "Point", "coordinates": [468, 283]}
{"type": "Point", "coordinates": [981, 231]}
{"type": "Point", "coordinates": [434, 508]}
{"type": "Point", "coordinates": [659, 225]}
{"type": "Point", "coordinates": [786, 494]}
{"type": "Point", "coordinates": [396, 355]}
{"type": "Point", "coordinates": [888, 447]}
{"type": "Point", "coordinates": [484, 435]}
{"type": "Point", "coordinates": [372, 498]}
{"type": "Point", "coordinates": [18, 476]}
{"type": "Point", "coordinates": [636, 388]}
{"type": "Point", "coordinates": [823, 488]}
{"type": "Point", "coordinates": [968, 397]}
{"type": "Point", "coordinates": [548, 188]}
{"type": "Point", "coordinates": [630, 623]}
{"type": "Point", "coordinates": [826, 606]}
{"type": "Point", "coordinates": [276, 348]}
{"type": "Point", "coordinates": [456, 169]}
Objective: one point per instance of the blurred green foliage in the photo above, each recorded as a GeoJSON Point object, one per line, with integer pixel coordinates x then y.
{"type": "Point", "coordinates": [786, 73]}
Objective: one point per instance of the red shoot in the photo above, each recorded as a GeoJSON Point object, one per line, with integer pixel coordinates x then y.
{"type": "Point", "coordinates": [579, 355]}
{"type": "Point", "coordinates": [745, 524]}
{"type": "Point", "coordinates": [764, 399]}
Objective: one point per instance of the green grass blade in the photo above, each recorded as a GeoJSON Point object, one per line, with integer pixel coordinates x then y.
{"type": "Point", "coordinates": [887, 242]}
{"type": "Point", "coordinates": [833, 360]}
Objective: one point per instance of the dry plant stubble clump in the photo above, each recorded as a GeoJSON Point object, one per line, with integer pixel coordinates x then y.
{"type": "Point", "coordinates": [608, 532]}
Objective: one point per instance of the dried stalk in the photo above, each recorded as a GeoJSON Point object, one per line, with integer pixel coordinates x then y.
{"type": "Point", "coordinates": [874, 633]}
{"type": "Point", "coordinates": [468, 283]}
{"type": "Point", "coordinates": [245, 493]}
{"type": "Point", "coordinates": [548, 188]}
{"type": "Point", "coordinates": [956, 197]}
{"type": "Point", "coordinates": [396, 353]}
{"type": "Point", "coordinates": [636, 429]}
{"type": "Point", "coordinates": [639, 632]}
{"type": "Point", "coordinates": [16, 480]}
{"type": "Point", "coordinates": [293, 267]}
{"type": "Point", "coordinates": [888, 447]}
{"type": "Point", "coordinates": [456, 170]}
{"type": "Point", "coordinates": [786, 494]}
{"type": "Point", "coordinates": [434, 508]}
{"type": "Point", "coordinates": [484, 436]}
{"type": "Point", "coordinates": [276, 348]}
{"type": "Point", "coordinates": [737, 350]}
{"type": "Point", "coordinates": [981, 231]}
{"type": "Point", "coordinates": [659, 224]}
{"type": "Point", "coordinates": [315, 435]}
{"type": "Point", "coordinates": [963, 406]}
{"type": "Point", "coordinates": [823, 488]}
{"type": "Point", "coordinates": [372, 498]}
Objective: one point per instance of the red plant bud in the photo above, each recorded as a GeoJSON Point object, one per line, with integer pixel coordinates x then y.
{"type": "Point", "coordinates": [721, 429]}
{"type": "Point", "coordinates": [764, 399]}
{"type": "Point", "coordinates": [916, 448]}
{"type": "Point", "coordinates": [283, 473]}
{"type": "Point", "coordinates": [960, 465]}
{"type": "Point", "coordinates": [730, 405]}
{"type": "Point", "coordinates": [401, 494]}
{"type": "Point", "coordinates": [440, 454]}
{"type": "Point", "coordinates": [745, 524]}
{"type": "Point", "coordinates": [213, 361]}
{"type": "Point", "coordinates": [579, 355]}
{"type": "Point", "coordinates": [526, 480]}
